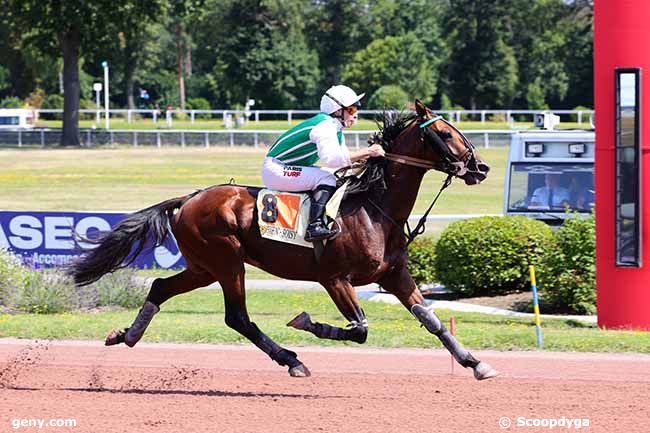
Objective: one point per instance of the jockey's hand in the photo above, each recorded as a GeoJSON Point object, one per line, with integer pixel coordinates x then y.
{"type": "Point", "coordinates": [375, 151]}
{"type": "Point", "coordinates": [369, 152]}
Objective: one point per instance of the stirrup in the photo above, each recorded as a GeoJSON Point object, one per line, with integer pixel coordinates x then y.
{"type": "Point", "coordinates": [319, 232]}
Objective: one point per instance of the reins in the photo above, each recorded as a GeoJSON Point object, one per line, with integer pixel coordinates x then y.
{"type": "Point", "coordinates": [409, 234]}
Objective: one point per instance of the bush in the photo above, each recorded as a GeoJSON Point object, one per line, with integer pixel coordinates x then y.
{"type": "Point", "coordinates": [197, 104]}
{"type": "Point", "coordinates": [119, 288]}
{"type": "Point", "coordinates": [44, 292]}
{"type": "Point", "coordinates": [421, 264]}
{"type": "Point", "coordinates": [13, 275]}
{"type": "Point", "coordinates": [570, 284]}
{"type": "Point", "coordinates": [490, 255]}
{"type": "Point", "coordinates": [389, 96]}
{"type": "Point", "coordinates": [585, 116]}
{"type": "Point", "coordinates": [53, 102]}
{"type": "Point", "coordinates": [11, 102]}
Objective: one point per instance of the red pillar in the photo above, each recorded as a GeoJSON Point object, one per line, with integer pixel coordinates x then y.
{"type": "Point", "coordinates": [621, 40]}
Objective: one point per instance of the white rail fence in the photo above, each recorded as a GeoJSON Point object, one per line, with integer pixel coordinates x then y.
{"type": "Point", "coordinates": [201, 138]}
{"type": "Point", "coordinates": [237, 117]}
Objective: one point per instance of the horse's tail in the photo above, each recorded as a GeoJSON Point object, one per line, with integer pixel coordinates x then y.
{"type": "Point", "coordinates": [120, 247]}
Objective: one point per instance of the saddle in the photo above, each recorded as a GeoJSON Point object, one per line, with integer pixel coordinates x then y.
{"type": "Point", "coordinates": [284, 216]}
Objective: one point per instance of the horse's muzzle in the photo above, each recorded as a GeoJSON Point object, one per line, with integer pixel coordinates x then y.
{"type": "Point", "coordinates": [477, 171]}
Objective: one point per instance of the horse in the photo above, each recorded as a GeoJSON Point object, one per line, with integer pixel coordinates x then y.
{"type": "Point", "coordinates": [216, 230]}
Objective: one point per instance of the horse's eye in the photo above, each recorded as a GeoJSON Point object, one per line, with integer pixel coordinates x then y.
{"type": "Point", "coordinates": [444, 135]}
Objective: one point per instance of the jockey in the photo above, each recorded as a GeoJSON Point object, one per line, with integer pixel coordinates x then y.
{"type": "Point", "coordinates": [289, 163]}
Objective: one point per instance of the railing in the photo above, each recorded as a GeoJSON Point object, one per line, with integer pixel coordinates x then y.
{"type": "Point", "coordinates": [201, 138]}
{"type": "Point", "coordinates": [233, 117]}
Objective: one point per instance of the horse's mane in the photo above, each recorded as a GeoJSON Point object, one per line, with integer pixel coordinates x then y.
{"type": "Point", "coordinates": [372, 181]}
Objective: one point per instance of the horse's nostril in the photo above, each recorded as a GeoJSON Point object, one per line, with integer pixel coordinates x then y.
{"type": "Point", "coordinates": [483, 167]}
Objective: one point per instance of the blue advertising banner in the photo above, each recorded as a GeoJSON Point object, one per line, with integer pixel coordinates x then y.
{"type": "Point", "coordinates": [45, 239]}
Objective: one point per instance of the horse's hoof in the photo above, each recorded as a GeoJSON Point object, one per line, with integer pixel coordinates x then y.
{"type": "Point", "coordinates": [299, 371]}
{"type": "Point", "coordinates": [484, 371]}
{"type": "Point", "coordinates": [131, 339]}
{"type": "Point", "coordinates": [114, 337]}
{"type": "Point", "coordinates": [300, 321]}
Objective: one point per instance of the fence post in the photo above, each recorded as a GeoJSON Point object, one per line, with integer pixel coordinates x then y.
{"type": "Point", "coordinates": [579, 117]}
{"type": "Point", "coordinates": [257, 116]}
{"type": "Point", "coordinates": [20, 138]}
{"type": "Point", "coordinates": [158, 139]}
{"type": "Point", "coordinates": [482, 116]}
{"type": "Point", "coordinates": [486, 140]}
{"type": "Point", "coordinates": [289, 116]}
{"type": "Point", "coordinates": [129, 116]}
{"type": "Point", "coordinates": [42, 138]}
{"type": "Point", "coordinates": [232, 139]}
{"type": "Point", "coordinates": [135, 138]}
{"type": "Point", "coordinates": [457, 116]}
{"type": "Point", "coordinates": [155, 116]}
{"type": "Point", "coordinates": [182, 139]}
{"type": "Point", "coordinates": [88, 138]}
{"type": "Point", "coordinates": [508, 118]}
{"type": "Point", "coordinates": [192, 116]}
{"type": "Point", "coordinates": [111, 137]}
{"type": "Point", "coordinates": [207, 140]}
{"type": "Point", "coordinates": [256, 140]}
{"type": "Point", "coordinates": [356, 140]}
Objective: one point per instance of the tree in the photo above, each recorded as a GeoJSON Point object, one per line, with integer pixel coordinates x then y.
{"type": "Point", "coordinates": [70, 28]}
{"type": "Point", "coordinates": [134, 30]}
{"type": "Point", "coordinates": [483, 69]}
{"type": "Point", "coordinates": [396, 60]}
{"type": "Point", "coordinates": [263, 55]}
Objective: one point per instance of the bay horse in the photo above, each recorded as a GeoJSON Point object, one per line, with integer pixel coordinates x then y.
{"type": "Point", "coordinates": [217, 232]}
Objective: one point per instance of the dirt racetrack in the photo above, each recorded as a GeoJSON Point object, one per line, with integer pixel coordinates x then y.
{"type": "Point", "coordinates": [204, 388]}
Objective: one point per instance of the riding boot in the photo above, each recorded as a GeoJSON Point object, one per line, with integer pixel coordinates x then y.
{"type": "Point", "coordinates": [317, 230]}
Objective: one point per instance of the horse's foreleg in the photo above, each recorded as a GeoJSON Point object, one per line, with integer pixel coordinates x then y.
{"type": "Point", "coordinates": [345, 298]}
{"type": "Point", "coordinates": [402, 285]}
{"type": "Point", "coordinates": [237, 318]}
{"type": "Point", "coordinates": [161, 290]}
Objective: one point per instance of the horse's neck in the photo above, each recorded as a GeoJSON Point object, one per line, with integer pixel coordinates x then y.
{"type": "Point", "coordinates": [403, 184]}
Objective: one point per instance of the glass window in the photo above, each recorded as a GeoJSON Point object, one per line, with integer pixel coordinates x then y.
{"type": "Point", "coordinates": [628, 168]}
{"type": "Point", "coordinates": [551, 187]}
{"type": "Point", "coordinates": [9, 120]}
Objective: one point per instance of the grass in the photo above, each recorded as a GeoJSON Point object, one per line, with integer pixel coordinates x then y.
{"type": "Point", "coordinates": [131, 179]}
{"type": "Point", "coordinates": [197, 317]}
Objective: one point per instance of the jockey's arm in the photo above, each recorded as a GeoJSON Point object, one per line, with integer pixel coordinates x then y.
{"type": "Point", "coordinates": [334, 155]}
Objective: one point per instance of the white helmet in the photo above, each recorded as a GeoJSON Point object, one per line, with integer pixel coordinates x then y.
{"type": "Point", "coordinates": [338, 97]}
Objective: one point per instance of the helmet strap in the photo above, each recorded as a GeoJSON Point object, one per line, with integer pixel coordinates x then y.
{"type": "Point", "coordinates": [334, 99]}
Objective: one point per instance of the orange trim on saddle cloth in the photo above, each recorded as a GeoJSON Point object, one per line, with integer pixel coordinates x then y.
{"type": "Point", "coordinates": [288, 206]}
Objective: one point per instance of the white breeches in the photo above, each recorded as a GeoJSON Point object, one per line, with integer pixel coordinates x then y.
{"type": "Point", "coordinates": [279, 176]}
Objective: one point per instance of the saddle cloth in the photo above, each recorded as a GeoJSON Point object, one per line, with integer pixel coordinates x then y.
{"type": "Point", "coordinates": [284, 216]}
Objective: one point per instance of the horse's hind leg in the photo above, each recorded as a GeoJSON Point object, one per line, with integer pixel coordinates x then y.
{"type": "Point", "coordinates": [161, 290]}
{"type": "Point", "coordinates": [400, 283]}
{"type": "Point", "coordinates": [237, 318]}
{"type": "Point", "coordinates": [345, 298]}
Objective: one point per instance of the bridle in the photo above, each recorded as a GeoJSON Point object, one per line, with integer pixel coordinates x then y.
{"type": "Point", "coordinates": [450, 163]}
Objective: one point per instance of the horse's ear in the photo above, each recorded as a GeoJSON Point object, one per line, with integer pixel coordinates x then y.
{"type": "Point", "coordinates": [420, 108]}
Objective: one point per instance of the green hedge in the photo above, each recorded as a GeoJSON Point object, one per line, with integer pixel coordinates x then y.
{"type": "Point", "coordinates": [421, 264]}
{"type": "Point", "coordinates": [570, 282]}
{"type": "Point", "coordinates": [489, 256]}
